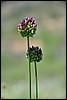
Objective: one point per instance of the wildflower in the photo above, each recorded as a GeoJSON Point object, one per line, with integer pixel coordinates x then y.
{"type": "Point", "coordinates": [35, 54]}
{"type": "Point", "coordinates": [27, 27]}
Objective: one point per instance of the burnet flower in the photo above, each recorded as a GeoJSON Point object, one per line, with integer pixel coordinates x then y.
{"type": "Point", "coordinates": [35, 54]}
{"type": "Point", "coordinates": [27, 27]}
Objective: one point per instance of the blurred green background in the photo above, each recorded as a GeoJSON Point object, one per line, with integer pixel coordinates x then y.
{"type": "Point", "coordinates": [51, 37]}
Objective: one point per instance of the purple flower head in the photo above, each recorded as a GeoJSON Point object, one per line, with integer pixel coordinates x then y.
{"type": "Point", "coordinates": [27, 27]}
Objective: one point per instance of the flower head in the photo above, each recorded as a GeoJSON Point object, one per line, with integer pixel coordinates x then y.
{"type": "Point", "coordinates": [35, 54]}
{"type": "Point", "coordinates": [27, 27]}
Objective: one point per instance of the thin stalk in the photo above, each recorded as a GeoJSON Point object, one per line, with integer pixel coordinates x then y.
{"type": "Point", "coordinates": [36, 76]}
{"type": "Point", "coordinates": [29, 68]}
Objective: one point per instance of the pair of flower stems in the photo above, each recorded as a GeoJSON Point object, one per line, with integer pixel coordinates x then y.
{"type": "Point", "coordinates": [27, 28]}
{"type": "Point", "coordinates": [36, 76]}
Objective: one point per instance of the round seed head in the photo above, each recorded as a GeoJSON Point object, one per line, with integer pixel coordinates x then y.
{"type": "Point", "coordinates": [35, 54]}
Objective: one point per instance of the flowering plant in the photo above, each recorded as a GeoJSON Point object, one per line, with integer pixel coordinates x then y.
{"type": "Point", "coordinates": [27, 28]}
{"type": "Point", "coordinates": [35, 54]}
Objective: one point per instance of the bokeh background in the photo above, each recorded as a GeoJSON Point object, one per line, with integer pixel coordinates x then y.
{"type": "Point", "coordinates": [51, 37]}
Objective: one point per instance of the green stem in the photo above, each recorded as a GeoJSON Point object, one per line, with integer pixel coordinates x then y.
{"type": "Point", "coordinates": [36, 76]}
{"type": "Point", "coordinates": [29, 67]}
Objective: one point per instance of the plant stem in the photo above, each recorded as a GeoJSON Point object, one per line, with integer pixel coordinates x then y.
{"type": "Point", "coordinates": [29, 68]}
{"type": "Point", "coordinates": [36, 76]}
